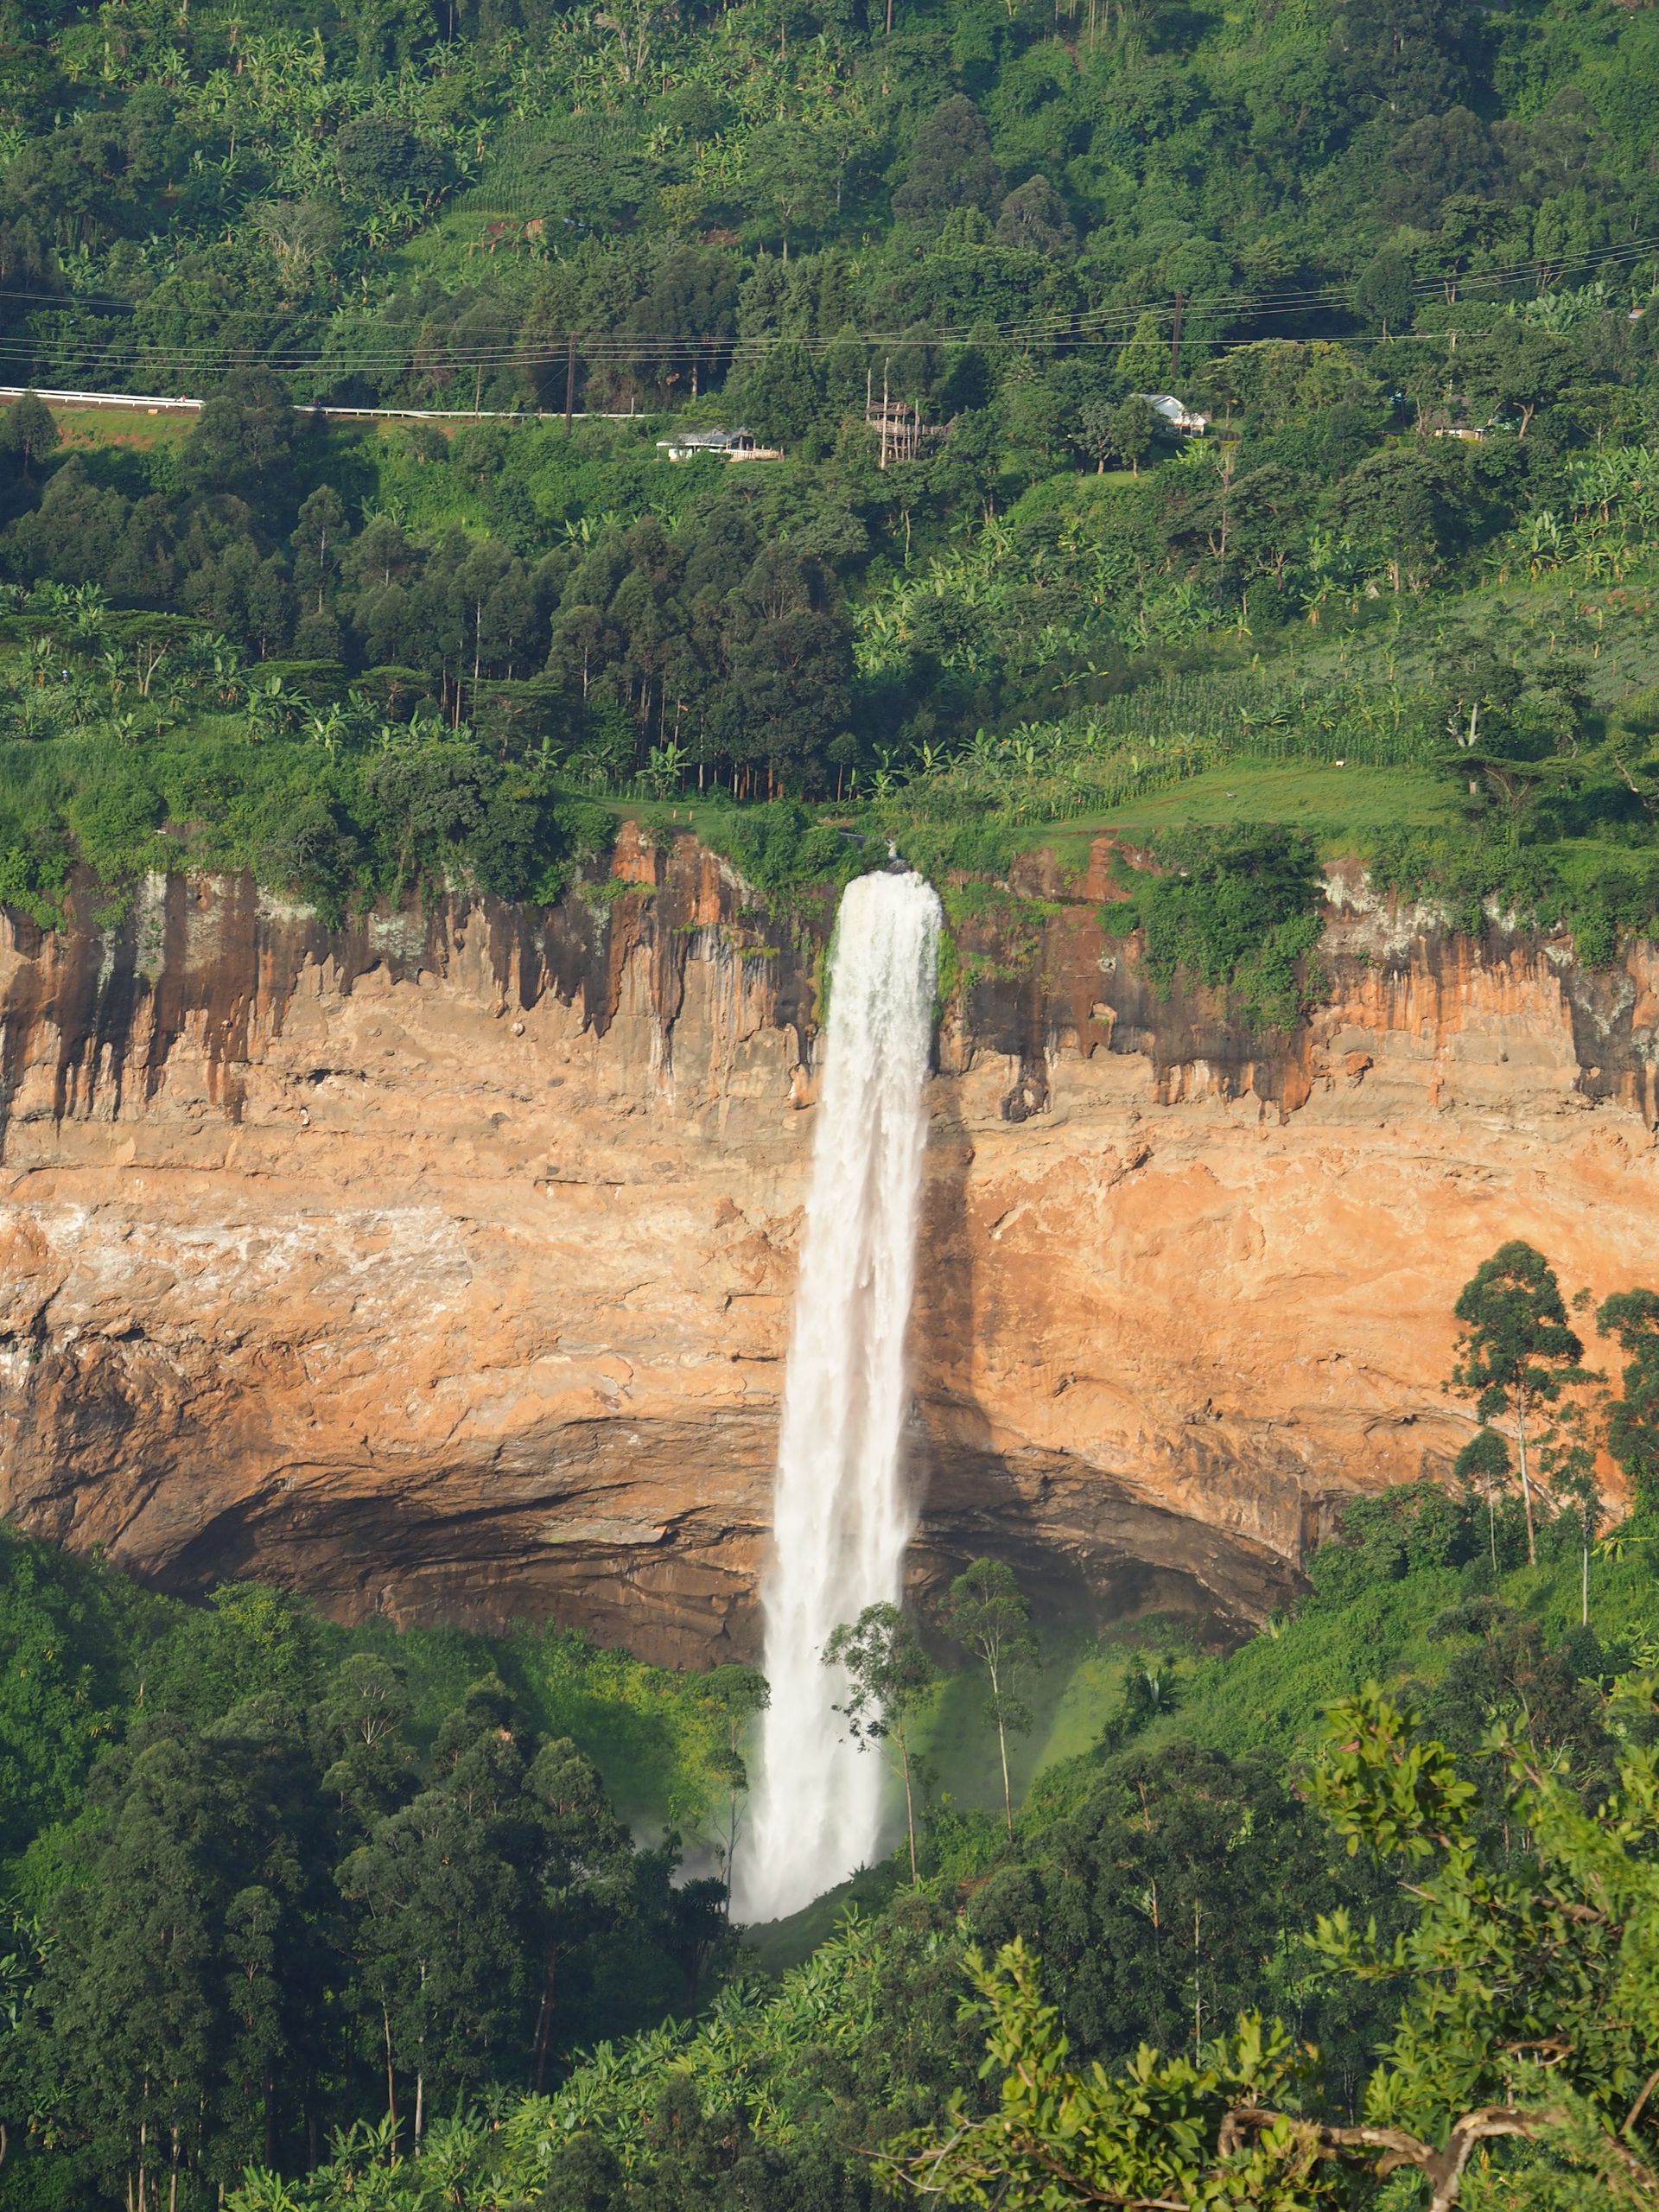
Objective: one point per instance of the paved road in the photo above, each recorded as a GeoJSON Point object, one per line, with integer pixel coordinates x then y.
{"type": "Point", "coordinates": [157, 403]}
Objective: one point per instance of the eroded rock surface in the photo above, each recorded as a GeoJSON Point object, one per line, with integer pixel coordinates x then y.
{"type": "Point", "coordinates": [441, 1265]}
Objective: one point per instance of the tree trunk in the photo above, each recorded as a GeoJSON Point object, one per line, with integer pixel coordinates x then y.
{"type": "Point", "coordinates": [1198, 1985]}
{"type": "Point", "coordinates": [1526, 1480]}
{"type": "Point", "coordinates": [544, 2026]}
{"type": "Point", "coordinates": [1002, 1748]}
{"type": "Point", "coordinates": [910, 1809]}
{"type": "Point", "coordinates": [392, 2086]}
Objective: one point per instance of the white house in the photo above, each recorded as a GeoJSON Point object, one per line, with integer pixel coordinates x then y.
{"type": "Point", "coordinates": [1175, 412]}
{"type": "Point", "coordinates": [730, 445]}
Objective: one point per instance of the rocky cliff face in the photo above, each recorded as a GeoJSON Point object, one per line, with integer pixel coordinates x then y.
{"type": "Point", "coordinates": [441, 1265]}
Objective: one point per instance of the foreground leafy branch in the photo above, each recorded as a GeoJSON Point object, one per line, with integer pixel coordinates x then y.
{"type": "Point", "coordinates": [1160, 2135]}
{"type": "Point", "coordinates": [1530, 2013]}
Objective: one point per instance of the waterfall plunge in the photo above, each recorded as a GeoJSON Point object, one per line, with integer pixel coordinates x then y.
{"type": "Point", "coordinates": [841, 1517]}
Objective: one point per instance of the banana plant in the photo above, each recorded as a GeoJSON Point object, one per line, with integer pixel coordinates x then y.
{"type": "Point", "coordinates": [270, 709]}
{"type": "Point", "coordinates": [230, 678]}
{"type": "Point", "coordinates": [665, 770]}
{"type": "Point", "coordinates": [1541, 541]}
{"type": "Point", "coordinates": [326, 727]}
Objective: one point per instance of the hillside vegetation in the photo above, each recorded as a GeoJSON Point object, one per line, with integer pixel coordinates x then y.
{"type": "Point", "coordinates": [301, 1917]}
{"type": "Point", "coordinates": [1400, 254]}
{"type": "Point", "coordinates": [250, 1855]}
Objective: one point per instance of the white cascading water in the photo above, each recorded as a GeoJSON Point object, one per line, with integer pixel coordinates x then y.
{"type": "Point", "coordinates": [842, 1516]}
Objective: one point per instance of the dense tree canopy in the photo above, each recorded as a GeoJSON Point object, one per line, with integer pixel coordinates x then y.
{"type": "Point", "coordinates": [1398, 253]}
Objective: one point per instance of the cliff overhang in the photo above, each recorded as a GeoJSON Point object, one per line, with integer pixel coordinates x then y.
{"type": "Point", "coordinates": [441, 1264]}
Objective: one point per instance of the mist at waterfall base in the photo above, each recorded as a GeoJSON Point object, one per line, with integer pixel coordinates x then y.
{"type": "Point", "coordinates": [842, 1517]}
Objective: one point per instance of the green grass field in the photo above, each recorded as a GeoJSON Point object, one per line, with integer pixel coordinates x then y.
{"type": "Point", "coordinates": [1272, 1692]}
{"type": "Point", "coordinates": [83, 428]}
{"type": "Point", "coordinates": [1332, 803]}
{"type": "Point", "coordinates": [1070, 1697]}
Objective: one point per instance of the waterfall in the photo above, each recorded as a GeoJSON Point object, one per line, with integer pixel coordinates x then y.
{"type": "Point", "coordinates": [842, 1516]}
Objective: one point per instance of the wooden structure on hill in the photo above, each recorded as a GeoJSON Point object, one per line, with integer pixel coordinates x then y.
{"type": "Point", "coordinates": [897, 423]}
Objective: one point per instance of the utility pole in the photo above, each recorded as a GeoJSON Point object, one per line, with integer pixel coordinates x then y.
{"type": "Point", "coordinates": [1175, 338]}
{"type": "Point", "coordinates": [884, 414]}
{"type": "Point", "coordinates": [570, 378]}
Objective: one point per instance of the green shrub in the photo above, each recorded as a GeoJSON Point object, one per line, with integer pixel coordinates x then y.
{"type": "Point", "coordinates": [780, 845]}
{"type": "Point", "coordinates": [1243, 910]}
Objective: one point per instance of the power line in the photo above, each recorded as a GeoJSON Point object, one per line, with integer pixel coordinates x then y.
{"type": "Point", "coordinates": [1089, 329]}
{"type": "Point", "coordinates": [1242, 301]}
{"type": "Point", "coordinates": [160, 403]}
{"type": "Point", "coordinates": [551, 363]}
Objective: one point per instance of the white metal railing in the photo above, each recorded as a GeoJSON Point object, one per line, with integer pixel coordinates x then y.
{"type": "Point", "coordinates": [159, 402]}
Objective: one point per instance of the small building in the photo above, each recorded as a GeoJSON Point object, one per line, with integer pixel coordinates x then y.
{"type": "Point", "coordinates": [1453, 420]}
{"type": "Point", "coordinates": [729, 445]}
{"type": "Point", "coordinates": [1174, 412]}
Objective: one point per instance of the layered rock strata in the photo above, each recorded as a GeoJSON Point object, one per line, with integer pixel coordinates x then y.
{"type": "Point", "coordinates": [440, 1264]}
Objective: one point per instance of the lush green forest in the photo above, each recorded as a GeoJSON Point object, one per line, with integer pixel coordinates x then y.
{"type": "Point", "coordinates": [262, 1874]}
{"type": "Point", "coordinates": [315, 1916]}
{"type": "Point", "coordinates": [1395, 596]}
{"type": "Point", "coordinates": [300, 1916]}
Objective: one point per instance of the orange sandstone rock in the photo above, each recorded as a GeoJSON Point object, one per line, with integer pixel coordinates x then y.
{"type": "Point", "coordinates": [442, 1264]}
